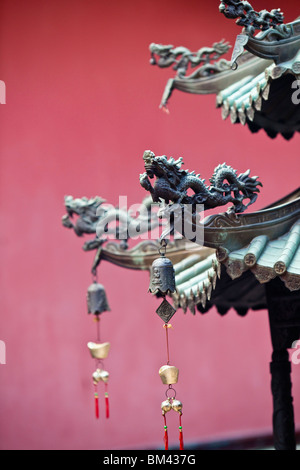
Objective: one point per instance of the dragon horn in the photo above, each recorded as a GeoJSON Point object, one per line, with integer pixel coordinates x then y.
{"type": "Point", "coordinates": [179, 162]}
{"type": "Point", "coordinates": [244, 175]}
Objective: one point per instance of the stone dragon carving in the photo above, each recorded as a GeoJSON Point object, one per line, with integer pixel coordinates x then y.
{"type": "Point", "coordinates": [249, 18]}
{"type": "Point", "coordinates": [181, 58]}
{"type": "Point", "coordinates": [172, 184]}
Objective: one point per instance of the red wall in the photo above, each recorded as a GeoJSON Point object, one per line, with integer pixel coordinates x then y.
{"type": "Point", "coordinates": [82, 106]}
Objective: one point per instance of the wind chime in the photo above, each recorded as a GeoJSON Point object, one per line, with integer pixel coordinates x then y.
{"type": "Point", "coordinates": [162, 282]}
{"type": "Point", "coordinates": [97, 304]}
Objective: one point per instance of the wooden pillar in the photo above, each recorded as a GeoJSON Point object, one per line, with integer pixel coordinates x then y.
{"type": "Point", "coordinates": [284, 309]}
{"type": "Point", "coordinates": [283, 410]}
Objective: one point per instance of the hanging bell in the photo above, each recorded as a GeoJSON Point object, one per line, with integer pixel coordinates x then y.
{"type": "Point", "coordinates": [177, 406]}
{"type": "Point", "coordinates": [162, 277]}
{"type": "Point", "coordinates": [96, 299]}
{"type": "Point", "coordinates": [100, 374]}
{"type": "Point", "coordinates": [168, 374]}
{"type": "Point", "coordinates": [166, 406]}
{"type": "Point", "coordinates": [96, 376]}
{"type": "Point", "coordinates": [104, 376]}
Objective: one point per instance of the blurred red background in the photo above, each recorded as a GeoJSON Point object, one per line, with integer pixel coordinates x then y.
{"type": "Point", "coordinates": [81, 107]}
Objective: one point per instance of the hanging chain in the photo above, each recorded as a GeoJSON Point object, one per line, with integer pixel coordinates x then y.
{"type": "Point", "coordinates": [163, 247]}
{"type": "Point", "coordinates": [167, 326]}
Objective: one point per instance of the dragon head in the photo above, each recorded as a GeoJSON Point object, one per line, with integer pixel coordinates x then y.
{"type": "Point", "coordinates": [83, 215]}
{"type": "Point", "coordinates": [161, 167]}
{"type": "Point", "coordinates": [163, 55]}
{"type": "Point", "coordinates": [149, 163]}
{"type": "Point", "coordinates": [85, 209]}
{"type": "Point", "coordinates": [82, 206]}
{"type": "Point", "coordinates": [277, 15]}
{"type": "Point", "coordinates": [159, 50]}
{"type": "Point", "coordinates": [230, 10]}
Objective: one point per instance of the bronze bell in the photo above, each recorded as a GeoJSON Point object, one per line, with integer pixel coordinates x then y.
{"type": "Point", "coordinates": [168, 374]}
{"type": "Point", "coordinates": [177, 406]}
{"type": "Point", "coordinates": [166, 406]}
{"type": "Point", "coordinates": [162, 276]}
{"type": "Point", "coordinates": [100, 374]}
{"type": "Point", "coordinates": [96, 299]}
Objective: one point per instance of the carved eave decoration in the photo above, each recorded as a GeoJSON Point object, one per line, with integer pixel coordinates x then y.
{"type": "Point", "coordinates": [256, 88]}
{"type": "Point", "coordinates": [196, 267]}
{"type": "Point", "coordinates": [266, 242]}
{"type": "Point", "coordinates": [264, 101]}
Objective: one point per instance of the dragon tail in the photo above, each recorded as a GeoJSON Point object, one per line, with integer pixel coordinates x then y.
{"type": "Point", "coordinates": [249, 187]}
{"type": "Point", "coordinates": [248, 184]}
{"type": "Point", "coordinates": [243, 185]}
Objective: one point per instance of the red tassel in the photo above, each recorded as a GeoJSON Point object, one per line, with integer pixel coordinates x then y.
{"type": "Point", "coordinates": [180, 435]}
{"type": "Point", "coordinates": [96, 405]}
{"type": "Point", "coordinates": [166, 439]}
{"type": "Point", "coordinates": [106, 402]}
{"type": "Point", "coordinates": [181, 440]}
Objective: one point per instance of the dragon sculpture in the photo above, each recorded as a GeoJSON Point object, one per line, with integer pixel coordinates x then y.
{"type": "Point", "coordinates": [103, 221]}
{"type": "Point", "coordinates": [172, 184]}
{"type": "Point", "coordinates": [181, 58]}
{"type": "Point", "coordinates": [249, 18]}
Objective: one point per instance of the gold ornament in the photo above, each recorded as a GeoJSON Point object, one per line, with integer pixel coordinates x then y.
{"type": "Point", "coordinates": [98, 350]}
{"type": "Point", "coordinates": [168, 374]}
